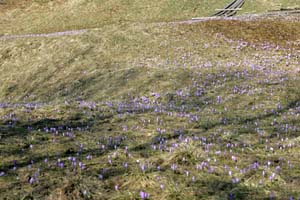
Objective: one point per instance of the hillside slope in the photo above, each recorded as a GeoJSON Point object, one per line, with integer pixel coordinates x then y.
{"type": "Point", "coordinates": [113, 60]}
{"type": "Point", "coordinates": [137, 107]}
{"type": "Point", "coordinates": [36, 16]}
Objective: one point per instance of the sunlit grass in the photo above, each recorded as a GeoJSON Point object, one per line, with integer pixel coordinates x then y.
{"type": "Point", "coordinates": [206, 110]}
{"type": "Point", "coordinates": [36, 16]}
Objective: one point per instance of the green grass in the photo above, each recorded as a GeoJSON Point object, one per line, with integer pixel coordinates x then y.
{"type": "Point", "coordinates": [50, 16]}
{"type": "Point", "coordinates": [116, 60]}
{"type": "Point", "coordinates": [219, 83]}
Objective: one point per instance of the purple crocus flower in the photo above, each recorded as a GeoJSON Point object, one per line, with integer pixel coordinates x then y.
{"type": "Point", "coordinates": [173, 167]}
{"type": "Point", "coordinates": [272, 176]}
{"type": "Point", "coordinates": [230, 196]}
{"type": "Point", "coordinates": [193, 178]}
{"type": "Point", "coordinates": [100, 176]}
{"type": "Point", "coordinates": [31, 180]}
{"type": "Point", "coordinates": [61, 165]}
{"type": "Point", "coordinates": [143, 167]}
{"type": "Point", "coordinates": [144, 195]}
{"type": "Point", "coordinates": [89, 157]}
{"type": "Point", "coordinates": [125, 164]}
{"type": "Point", "coordinates": [162, 186]}
{"type": "Point", "coordinates": [81, 165]}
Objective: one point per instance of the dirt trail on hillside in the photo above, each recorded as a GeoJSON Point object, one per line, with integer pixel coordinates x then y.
{"type": "Point", "coordinates": [295, 16]}
{"type": "Point", "coordinates": [54, 34]}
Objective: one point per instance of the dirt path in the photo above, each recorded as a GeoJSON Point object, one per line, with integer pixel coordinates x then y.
{"type": "Point", "coordinates": [55, 34]}
{"type": "Point", "coordinates": [287, 15]}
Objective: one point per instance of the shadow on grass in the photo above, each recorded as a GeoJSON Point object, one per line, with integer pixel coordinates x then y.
{"type": "Point", "coordinates": [21, 129]}
{"type": "Point", "coordinates": [17, 136]}
{"type": "Point", "coordinates": [236, 121]}
{"type": "Point", "coordinates": [225, 189]}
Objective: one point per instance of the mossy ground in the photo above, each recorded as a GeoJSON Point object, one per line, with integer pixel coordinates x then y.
{"type": "Point", "coordinates": [208, 110]}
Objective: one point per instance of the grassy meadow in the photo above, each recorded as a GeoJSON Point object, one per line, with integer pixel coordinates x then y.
{"type": "Point", "coordinates": [144, 105]}
{"type": "Point", "coordinates": [43, 16]}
